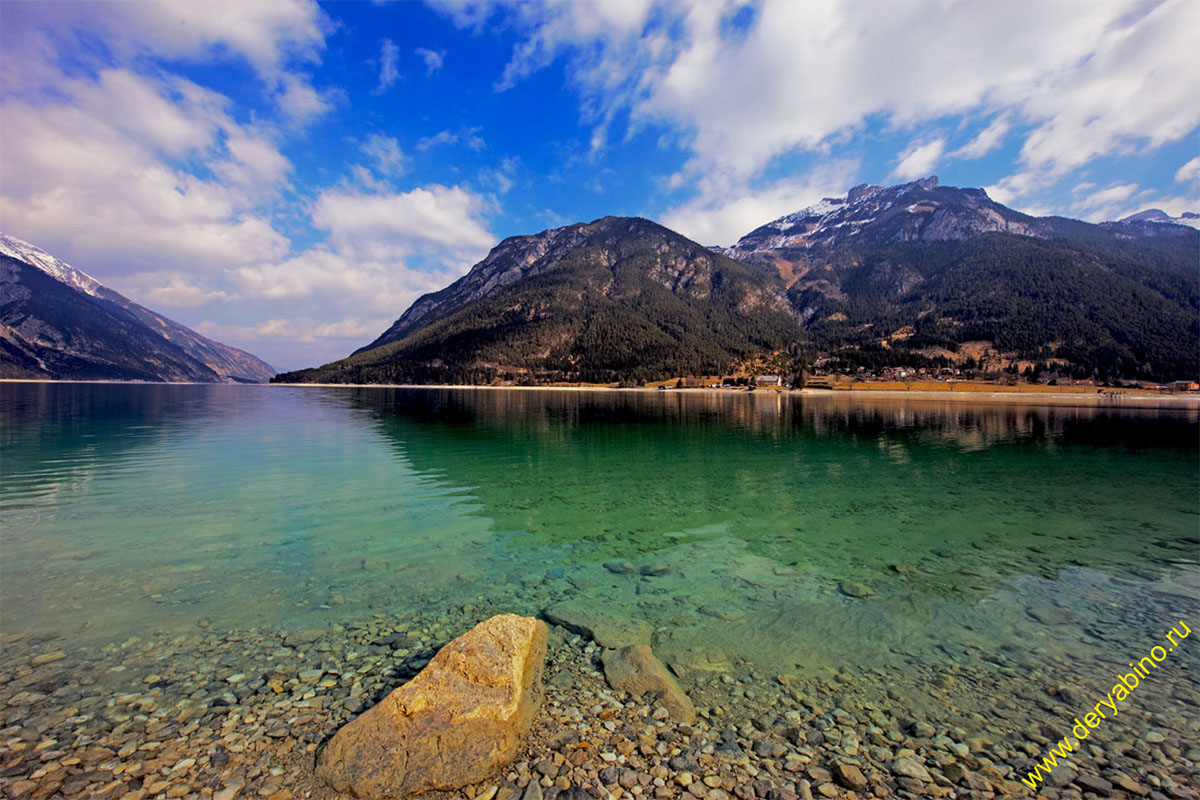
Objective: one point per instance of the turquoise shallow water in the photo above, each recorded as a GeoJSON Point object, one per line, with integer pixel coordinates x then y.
{"type": "Point", "coordinates": [129, 509]}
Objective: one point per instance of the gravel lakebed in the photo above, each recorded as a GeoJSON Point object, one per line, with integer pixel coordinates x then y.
{"type": "Point", "coordinates": [221, 714]}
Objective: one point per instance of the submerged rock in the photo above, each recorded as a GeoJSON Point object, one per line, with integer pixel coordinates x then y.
{"type": "Point", "coordinates": [605, 629]}
{"type": "Point", "coordinates": [855, 589]}
{"type": "Point", "coordinates": [636, 670]}
{"type": "Point", "coordinates": [458, 721]}
{"type": "Point", "coordinates": [300, 638]}
{"type": "Point", "coordinates": [1052, 615]}
{"type": "Point", "coordinates": [727, 613]}
{"type": "Point", "coordinates": [697, 661]}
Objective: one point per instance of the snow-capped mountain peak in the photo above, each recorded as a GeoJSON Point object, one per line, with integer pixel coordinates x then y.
{"type": "Point", "coordinates": [61, 271]}
{"type": "Point", "coordinates": [1188, 218]}
{"type": "Point", "coordinates": [906, 210]}
{"type": "Point", "coordinates": [816, 211]}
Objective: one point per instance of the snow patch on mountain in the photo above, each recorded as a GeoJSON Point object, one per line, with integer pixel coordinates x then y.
{"type": "Point", "coordinates": [840, 217]}
{"type": "Point", "coordinates": [61, 271]}
{"type": "Point", "coordinates": [1188, 218]}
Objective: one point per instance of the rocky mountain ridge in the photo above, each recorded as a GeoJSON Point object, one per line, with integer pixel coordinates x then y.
{"type": "Point", "coordinates": [918, 274]}
{"type": "Point", "coordinates": [58, 322]}
{"type": "Point", "coordinates": [608, 300]}
{"type": "Point", "coordinates": [514, 258]}
{"type": "Point", "coordinates": [904, 275]}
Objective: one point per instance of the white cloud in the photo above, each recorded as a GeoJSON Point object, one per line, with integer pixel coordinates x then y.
{"type": "Point", "coordinates": [1080, 80]}
{"type": "Point", "coordinates": [383, 250]}
{"type": "Point", "coordinates": [168, 290]}
{"type": "Point", "coordinates": [120, 164]}
{"type": "Point", "coordinates": [471, 14]}
{"type": "Point", "coordinates": [433, 59]}
{"type": "Point", "coordinates": [268, 34]}
{"type": "Point", "coordinates": [385, 152]}
{"type": "Point", "coordinates": [389, 72]}
{"type": "Point", "coordinates": [372, 279]}
{"type": "Point", "coordinates": [1134, 91]}
{"type": "Point", "coordinates": [1111, 202]}
{"type": "Point", "coordinates": [985, 141]}
{"type": "Point", "coordinates": [720, 216]}
{"type": "Point", "coordinates": [1117, 193]}
{"type": "Point", "coordinates": [273, 38]}
{"type": "Point", "coordinates": [300, 101]}
{"type": "Point", "coordinates": [1119, 200]}
{"type": "Point", "coordinates": [863, 59]}
{"type": "Point", "coordinates": [254, 164]}
{"type": "Point", "coordinates": [554, 28]}
{"type": "Point", "coordinates": [275, 338]}
{"type": "Point", "coordinates": [500, 177]}
{"type": "Point", "coordinates": [83, 154]}
{"type": "Point", "coordinates": [443, 219]}
{"type": "Point", "coordinates": [467, 137]}
{"type": "Point", "coordinates": [919, 159]}
{"type": "Point", "coordinates": [1189, 172]}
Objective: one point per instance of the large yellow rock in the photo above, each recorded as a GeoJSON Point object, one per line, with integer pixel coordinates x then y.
{"type": "Point", "coordinates": [461, 719]}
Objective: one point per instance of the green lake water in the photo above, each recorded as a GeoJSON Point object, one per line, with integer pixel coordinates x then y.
{"type": "Point", "coordinates": [979, 534]}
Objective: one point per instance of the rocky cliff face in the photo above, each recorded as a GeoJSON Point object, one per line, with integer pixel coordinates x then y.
{"type": "Point", "coordinates": [57, 322]}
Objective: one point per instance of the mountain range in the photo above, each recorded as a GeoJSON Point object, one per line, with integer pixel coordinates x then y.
{"type": "Point", "coordinates": [57, 322]}
{"type": "Point", "coordinates": [918, 275]}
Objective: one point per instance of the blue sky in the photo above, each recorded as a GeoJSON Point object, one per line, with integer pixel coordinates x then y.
{"type": "Point", "coordinates": [288, 177]}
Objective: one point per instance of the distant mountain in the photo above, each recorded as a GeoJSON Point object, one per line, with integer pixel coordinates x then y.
{"type": "Point", "coordinates": [924, 211]}
{"type": "Point", "coordinates": [905, 275]}
{"type": "Point", "coordinates": [615, 299]}
{"type": "Point", "coordinates": [919, 275]}
{"type": "Point", "coordinates": [59, 323]}
{"type": "Point", "coordinates": [1189, 218]}
{"type": "Point", "coordinates": [871, 216]}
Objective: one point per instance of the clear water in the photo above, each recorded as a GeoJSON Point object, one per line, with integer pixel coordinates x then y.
{"type": "Point", "coordinates": [133, 509]}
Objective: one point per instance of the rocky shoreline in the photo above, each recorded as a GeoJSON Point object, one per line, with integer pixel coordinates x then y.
{"type": "Point", "coordinates": [219, 715]}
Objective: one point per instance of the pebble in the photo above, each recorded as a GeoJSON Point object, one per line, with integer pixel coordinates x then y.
{"type": "Point", "coordinates": [1094, 785]}
{"type": "Point", "coordinates": [48, 658]}
{"type": "Point", "coordinates": [26, 699]}
{"type": "Point", "coordinates": [311, 675]}
{"type": "Point", "coordinates": [911, 768]}
{"type": "Point", "coordinates": [850, 776]}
